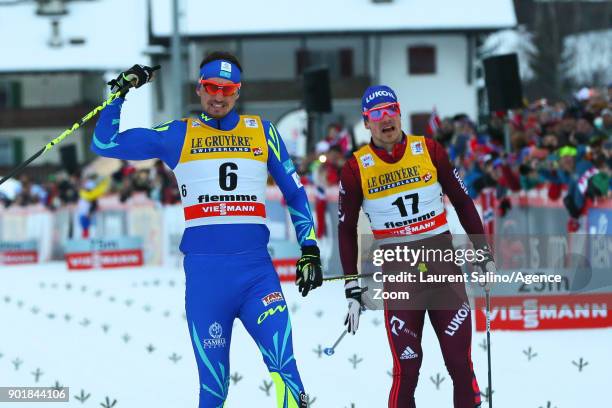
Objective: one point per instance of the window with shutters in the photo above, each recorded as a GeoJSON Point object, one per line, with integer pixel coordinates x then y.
{"type": "Point", "coordinates": [346, 62]}
{"type": "Point", "coordinates": [302, 60]}
{"type": "Point", "coordinates": [10, 94]}
{"type": "Point", "coordinates": [421, 60]}
{"type": "Point", "coordinates": [7, 156]}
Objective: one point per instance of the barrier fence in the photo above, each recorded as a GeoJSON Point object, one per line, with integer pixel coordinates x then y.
{"type": "Point", "coordinates": [531, 237]}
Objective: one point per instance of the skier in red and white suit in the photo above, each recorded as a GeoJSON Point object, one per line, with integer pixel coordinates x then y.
{"type": "Point", "coordinates": [399, 181]}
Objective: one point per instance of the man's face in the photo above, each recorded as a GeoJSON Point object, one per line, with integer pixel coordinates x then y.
{"type": "Point", "coordinates": [387, 131]}
{"type": "Point", "coordinates": [217, 105]}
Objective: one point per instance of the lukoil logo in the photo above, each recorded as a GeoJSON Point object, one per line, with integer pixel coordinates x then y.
{"type": "Point", "coordinates": [458, 177]}
{"type": "Point", "coordinates": [458, 319]}
{"type": "Point", "coordinates": [377, 94]}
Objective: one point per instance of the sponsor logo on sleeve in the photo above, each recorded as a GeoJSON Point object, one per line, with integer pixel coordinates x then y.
{"type": "Point", "coordinates": [367, 160]}
{"type": "Point", "coordinates": [296, 179]}
{"type": "Point", "coordinates": [427, 176]}
{"type": "Point", "coordinates": [271, 298]}
{"type": "Point", "coordinates": [288, 165]}
{"type": "Point", "coordinates": [250, 123]}
{"type": "Point", "coordinates": [416, 147]}
{"type": "Point", "coordinates": [458, 177]}
{"type": "Point", "coordinates": [257, 151]}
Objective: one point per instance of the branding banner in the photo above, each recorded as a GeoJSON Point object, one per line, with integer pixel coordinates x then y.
{"type": "Point", "coordinates": [119, 252]}
{"type": "Point", "coordinates": [18, 253]}
{"type": "Point", "coordinates": [552, 312]}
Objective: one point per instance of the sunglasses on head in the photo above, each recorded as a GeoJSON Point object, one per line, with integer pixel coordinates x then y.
{"type": "Point", "coordinates": [213, 88]}
{"type": "Point", "coordinates": [378, 113]}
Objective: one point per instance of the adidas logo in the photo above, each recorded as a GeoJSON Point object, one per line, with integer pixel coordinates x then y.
{"type": "Point", "coordinates": [408, 354]}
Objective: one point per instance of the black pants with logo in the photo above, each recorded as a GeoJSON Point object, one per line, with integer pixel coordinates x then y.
{"type": "Point", "coordinates": [450, 315]}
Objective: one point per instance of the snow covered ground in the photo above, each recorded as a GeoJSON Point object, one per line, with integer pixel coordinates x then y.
{"type": "Point", "coordinates": [121, 334]}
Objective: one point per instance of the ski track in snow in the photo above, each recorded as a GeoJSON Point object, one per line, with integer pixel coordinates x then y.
{"type": "Point", "coordinates": [82, 356]}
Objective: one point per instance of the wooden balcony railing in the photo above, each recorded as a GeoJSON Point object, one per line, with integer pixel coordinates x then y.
{"type": "Point", "coordinates": [44, 117]}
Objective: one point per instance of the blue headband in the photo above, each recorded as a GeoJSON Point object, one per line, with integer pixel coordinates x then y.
{"type": "Point", "coordinates": [220, 69]}
{"type": "Point", "coordinates": [375, 95]}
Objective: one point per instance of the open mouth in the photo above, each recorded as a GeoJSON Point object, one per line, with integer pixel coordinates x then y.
{"type": "Point", "coordinates": [217, 105]}
{"type": "Point", "coordinates": [388, 129]}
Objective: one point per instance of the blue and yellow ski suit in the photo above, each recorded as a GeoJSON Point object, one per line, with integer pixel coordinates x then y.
{"type": "Point", "coordinates": [221, 167]}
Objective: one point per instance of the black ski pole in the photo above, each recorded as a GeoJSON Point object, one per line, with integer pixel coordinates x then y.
{"type": "Point", "coordinates": [488, 307]}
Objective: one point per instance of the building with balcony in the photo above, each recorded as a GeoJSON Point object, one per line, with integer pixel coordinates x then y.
{"type": "Point", "coordinates": [425, 50]}
{"type": "Point", "coordinates": [58, 54]}
{"type": "Point", "coordinates": [57, 57]}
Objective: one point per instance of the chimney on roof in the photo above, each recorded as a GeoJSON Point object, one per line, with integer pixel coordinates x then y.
{"type": "Point", "coordinates": [51, 7]}
{"type": "Point", "coordinates": [56, 39]}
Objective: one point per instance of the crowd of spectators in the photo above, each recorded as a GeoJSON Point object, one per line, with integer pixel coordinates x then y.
{"type": "Point", "coordinates": [61, 189]}
{"type": "Point", "coordinates": [564, 147]}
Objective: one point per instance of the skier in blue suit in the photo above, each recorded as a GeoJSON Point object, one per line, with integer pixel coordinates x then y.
{"type": "Point", "coordinates": [221, 161]}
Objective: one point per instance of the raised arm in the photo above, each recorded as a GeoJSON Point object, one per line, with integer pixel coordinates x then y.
{"type": "Point", "coordinates": [162, 142]}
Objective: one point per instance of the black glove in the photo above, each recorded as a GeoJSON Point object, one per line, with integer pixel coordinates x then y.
{"type": "Point", "coordinates": [308, 274]}
{"type": "Point", "coordinates": [135, 77]}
